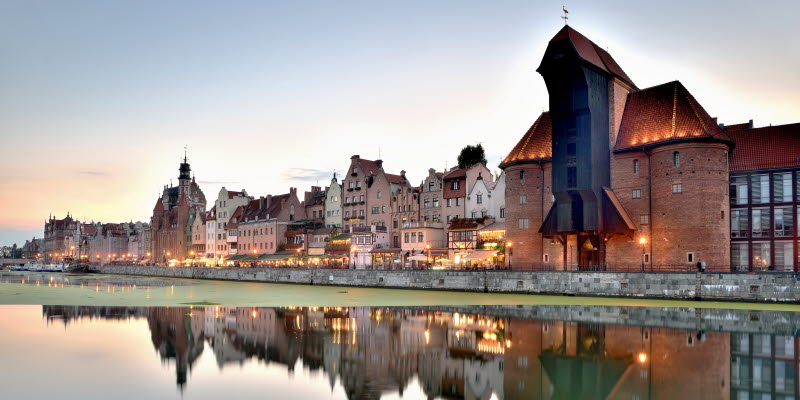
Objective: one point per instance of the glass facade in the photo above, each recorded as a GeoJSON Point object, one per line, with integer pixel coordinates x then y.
{"type": "Point", "coordinates": [763, 366]}
{"type": "Point", "coordinates": [763, 215]}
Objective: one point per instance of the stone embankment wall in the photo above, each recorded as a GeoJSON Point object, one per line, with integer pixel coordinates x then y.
{"type": "Point", "coordinates": [780, 288]}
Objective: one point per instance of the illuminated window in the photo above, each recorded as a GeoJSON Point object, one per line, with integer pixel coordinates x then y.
{"type": "Point", "coordinates": [635, 166]}
{"type": "Point", "coordinates": [677, 188]}
{"type": "Point", "coordinates": [636, 194]}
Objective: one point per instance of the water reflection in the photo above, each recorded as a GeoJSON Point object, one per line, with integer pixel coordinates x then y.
{"type": "Point", "coordinates": [373, 351]}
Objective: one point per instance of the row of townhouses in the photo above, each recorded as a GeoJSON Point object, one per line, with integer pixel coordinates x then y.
{"type": "Point", "coordinates": [611, 176]}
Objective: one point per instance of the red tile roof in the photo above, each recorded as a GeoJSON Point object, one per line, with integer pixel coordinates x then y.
{"type": "Point", "coordinates": [765, 147]}
{"type": "Point", "coordinates": [592, 53]}
{"type": "Point", "coordinates": [536, 144]}
{"type": "Point", "coordinates": [392, 178]}
{"type": "Point", "coordinates": [368, 166]}
{"type": "Point", "coordinates": [232, 194]}
{"type": "Point", "coordinates": [456, 173]}
{"type": "Point", "coordinates": [664, 114]}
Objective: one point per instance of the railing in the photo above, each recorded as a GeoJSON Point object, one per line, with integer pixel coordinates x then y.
{"type": "Point", "coordinates": [293, 246]}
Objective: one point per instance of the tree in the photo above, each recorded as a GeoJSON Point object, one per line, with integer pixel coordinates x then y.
{"type": "Point", "coordinates": [471, 155]}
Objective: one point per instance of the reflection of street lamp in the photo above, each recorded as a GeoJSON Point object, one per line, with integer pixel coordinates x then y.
{"type": "Point", "coordinates": [643, 242]}
{"type": "Point", "coordinates": [509, 252]}
{"type": "Point", "coordinates": [71, 251]}
{"type": "Point", "coordinates": [216, 259]}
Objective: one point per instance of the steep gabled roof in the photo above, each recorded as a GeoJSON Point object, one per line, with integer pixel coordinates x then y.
{"type": "Point", "coordinates": [536, 144]}
{"type": "Point", "coordinates": [664, 114]}
{"type": "Point", "coordinates": [765, 147]}
{"type": "Point", "coordinates": [456, 173]}
{"type": "Point", "coordinates": [368, 166]}
{"type": "Point", "coordinates": [159, 205]}
{"type": "Point", "coordinates": [592, 53]}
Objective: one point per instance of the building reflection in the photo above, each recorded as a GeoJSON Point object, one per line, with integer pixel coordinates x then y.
{"type": "Point", "coordinates": [373, 351]}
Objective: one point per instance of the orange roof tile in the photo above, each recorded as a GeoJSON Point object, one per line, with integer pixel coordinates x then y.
{"type": "Point", "coordinates": [766, 147]}
{"type": "Point", "coordinates": [592, 53]}
{"type": "Point", "coordinates": [664, 114]}
{"type": "Point", "coordinates": [536, 144]}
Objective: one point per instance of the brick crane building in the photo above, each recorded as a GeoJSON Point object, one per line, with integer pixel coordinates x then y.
{"type": "Point", "coordinates": [615, 175]}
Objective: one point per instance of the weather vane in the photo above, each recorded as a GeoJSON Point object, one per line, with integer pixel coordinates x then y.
{"type": "Point", "coordinates": [565, 17]}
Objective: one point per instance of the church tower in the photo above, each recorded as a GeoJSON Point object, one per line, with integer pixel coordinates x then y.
{"type": "Point", "coordinates": [185, 176]}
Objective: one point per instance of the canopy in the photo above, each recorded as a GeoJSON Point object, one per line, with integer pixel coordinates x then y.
{"type": "Point", "coordinates": [385, 251]}
{"type": "Point", "coordinates": [418, 257]}
{"type": "Point", "coordinates": [480, 254]}
{"type": "Point", "coordinates": [273, 257]}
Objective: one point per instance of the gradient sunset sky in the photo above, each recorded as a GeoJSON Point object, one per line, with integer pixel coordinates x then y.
{"type": "Point", "coordinates": [98, 98]}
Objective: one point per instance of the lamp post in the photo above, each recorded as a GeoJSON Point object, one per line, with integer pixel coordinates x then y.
{"type": "Point", "coordinates": [509, 252]}
{"type": "Point", "coordinates": [297, 263]}
{"type": "Point", "coordinates": [428, 260]}
{"type": "Point", "coordinates": [353, 256]}
{"type": "Point", "coordinates": [643, 242]}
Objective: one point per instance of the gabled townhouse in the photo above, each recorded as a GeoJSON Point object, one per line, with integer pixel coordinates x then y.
{"type": "Point", "coordinates": [405, 208]}
{"type": "Point", "coordinates": [314, 202]}
{"type": "Point", "coordinates": [261, 227]}
{"type": "Point", "coordinates": [457, 183]}
{"type": "Point", "coordinates": [210, 221]}
{"type": "Point", "coordinates": [198, 233]}
{"type": "Point", "coordinates": [226, 204]}
{"type": "Point", "coordinates": [333, 204]}
{"type": "Point", "coordinates": [431, 190]}
{"type": "Point", "coordinates": [487, 198]}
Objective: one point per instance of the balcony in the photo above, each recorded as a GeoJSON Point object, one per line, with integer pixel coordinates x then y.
{"type": "Point", "coordinates": [293, 246]}
{"type": "Point", "coordinates": [423, 224]}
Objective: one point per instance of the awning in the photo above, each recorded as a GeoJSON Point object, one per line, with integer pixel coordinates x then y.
{"type": "Point", "coordinates": [481, 254]}
{"type": "Point", "coordinates": [273, 257]}
{"type": "Point", "coordinates": [418, 257]}
{"type": "Point", "coordinates": [341, 236]}
{"type": "Point", "coordinates": [235, 258]}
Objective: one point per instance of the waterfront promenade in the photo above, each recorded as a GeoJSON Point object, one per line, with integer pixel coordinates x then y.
{"type": "Point", "coordinates": [773, 288]}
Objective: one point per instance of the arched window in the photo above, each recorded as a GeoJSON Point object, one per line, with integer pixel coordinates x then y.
{"type": "Point", "coordinates": [676, 159]}
{"type": "Point", "coordinates": [522, 175]}
{"type": "Point", "coordinates": [635, 166]}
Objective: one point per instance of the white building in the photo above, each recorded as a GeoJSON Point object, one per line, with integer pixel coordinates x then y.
{"type": "Point", "coordinates": [226, 204]}
{"type": "Point", "coordinates": [333, 205]}
{"type": "Point", "coordinates": [487, 198]}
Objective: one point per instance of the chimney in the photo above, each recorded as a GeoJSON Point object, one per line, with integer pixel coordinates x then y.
{"type": "Point", "coordinates": [355, 157]}
{"type": "Point", "coordinates": [380, 163]}
{"type": "Point", "coordinates": [750, 124]}
{"type": "Point", "coordinates": [269, 200]}
{"type": "Point", "coordinates": [261, 202]}
{"type": "Point", "coordinates": [403, 173]}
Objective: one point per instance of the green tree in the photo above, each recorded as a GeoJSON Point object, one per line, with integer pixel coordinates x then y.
{"type": "Point", "coordinates": [471, 155]}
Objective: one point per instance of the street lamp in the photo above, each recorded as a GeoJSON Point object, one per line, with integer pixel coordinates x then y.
{"type": "Point", "coordinates": [643, 242]}
{"type": "Point", "coordinates": [428, 260]}
{"type": "Point", "coordinates": [509, 252]}
{"type": "Point", "coordinates": [297, 263]}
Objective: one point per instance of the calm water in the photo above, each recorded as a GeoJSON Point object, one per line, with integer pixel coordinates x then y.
{"type": "Point", "coordinates": [569, 352]}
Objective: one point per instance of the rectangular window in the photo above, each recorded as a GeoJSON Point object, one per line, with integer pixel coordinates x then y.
{"type": "Point", "coordinates": [474, 214]}
{"type": "Point", "coordinates": [784, 221]}
{"type": "Point", "coordinates": [454, 185]}
{"type": "Point", "coordinates": [420, 237]}
{"type": "Point", "coordinates": [449, 217]}
{"type": "Point", "coordinates": [782, 187]}
{"type": "Point", "coordinates": [740, 226]}
{"type": "Point", "coordinates": [426, 203]}
{"type": "Point", "coordinates": [636, 194]}
{"type": "Point", "coordinates": [690, 258]}
{"type": "Point", "coordinates": [646, 258]}
{"type": "Point", "coordinates": [436, 202]}
{"type": "Point", "coordinates": [502, 212]}
{"type": "Point", "coordinates": [635, 166]}
{"type": "Point", "coordinates": [546, 257]}
{"type": "Point", "coordinates": [449, 203]}
{"type": "Point", "coordinates": [479, 198]}
{"type": "Point", "coordinates": [644, 219]}
{"type": "Point", "coordinates": [376, 210]}
{"type": "Point", "coordinates": [761, 256]}
{"type": "Point", "coordinates": [784, 256]}
{"type": "Point", "coordinates": [413, 237]}
{"type": "Point", "coordinates": [760, 221]}
{"type": "Point", "coordinates": [405, 237]}
{"type": "Point", "coordinates": [458, 201]}
{"type": "Point", "coordinates": [523, 199]}
{"type": "Point", "coordinates": [759, 189]}
{"type": "Point", "coordinates": [523, 223]}
{"type": "Point", "coordinates": [677, 188]}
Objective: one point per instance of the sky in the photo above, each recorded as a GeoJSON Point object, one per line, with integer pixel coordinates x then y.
{"type": "Point", "coordinates": [99, 98]}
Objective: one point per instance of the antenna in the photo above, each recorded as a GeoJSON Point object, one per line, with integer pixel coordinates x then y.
{"type": "Point", "coordinates": [565, 17]}
{"type": "Point", "coordinates": [185, 152]}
